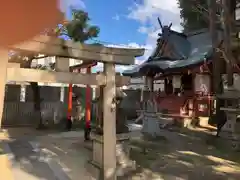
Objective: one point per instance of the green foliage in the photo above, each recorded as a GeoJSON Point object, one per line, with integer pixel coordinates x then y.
{"type": "Point", "coordinates": [79, 28]}
{"type": "Point", "coordinates": [192, 19]}
{"type": "Point", "coordinates": [50, 67]}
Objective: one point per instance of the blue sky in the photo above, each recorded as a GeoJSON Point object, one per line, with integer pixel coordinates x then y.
{"type": "Point", "coordinates": [129, 23]}
{"type": "Point", "coordinates": [111, 17]}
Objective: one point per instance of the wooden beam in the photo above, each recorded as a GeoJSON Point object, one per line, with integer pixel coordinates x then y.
{"type": "Point", "coordinates": [35, 75]}
{"type": "Point", "coordinates": [57, 47]}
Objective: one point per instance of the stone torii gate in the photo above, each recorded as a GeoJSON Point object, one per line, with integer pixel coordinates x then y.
{"type": "Point", "coordinates": [63, 50]}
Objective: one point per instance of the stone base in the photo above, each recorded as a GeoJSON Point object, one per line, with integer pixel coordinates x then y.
{"type": "Point", "coordinates": [88, 145]}
{"type": "Point", "coordinates": [94, 171]}
{"type": "Point", "coordinates": [124, 164]}
{"type": "Point", "coordinates": [203, 121]}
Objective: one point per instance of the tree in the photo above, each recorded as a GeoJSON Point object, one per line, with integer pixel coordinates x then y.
{"type": "Point", "coordinates": [191, 15]}
{"type": "Point", "coordinates": [77, 29]}
{"type": "Point", "coordinates": [195, 15]}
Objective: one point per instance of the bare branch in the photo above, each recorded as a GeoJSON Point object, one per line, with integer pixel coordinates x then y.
{"type": "Point", "coordinates": [224, 55]}
{"type": "Point", "coordinates": [197, 7]}
{"type": "Point", "coordinates": [204, 12]}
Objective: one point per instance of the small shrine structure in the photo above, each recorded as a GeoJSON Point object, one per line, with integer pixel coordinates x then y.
{"type": "Point", "coordinates": [87, 67]}
{"type": "Point", "coordinates": [185, 62]}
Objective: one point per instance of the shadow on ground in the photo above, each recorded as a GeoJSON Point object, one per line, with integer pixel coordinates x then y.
{"type": "Point", "coordinates": [34, 155]}
{"type": "Point", "coordinates": [184, 155]}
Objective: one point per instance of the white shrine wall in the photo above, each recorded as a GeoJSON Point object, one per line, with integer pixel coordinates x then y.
{"type": "Point", "coordinates": [176, 80]}
{"type": "Point", "coordinates": [202, 83]}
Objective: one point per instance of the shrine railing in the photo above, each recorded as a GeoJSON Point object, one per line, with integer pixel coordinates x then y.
{"type": "Point", "coordinates": [189, 104]}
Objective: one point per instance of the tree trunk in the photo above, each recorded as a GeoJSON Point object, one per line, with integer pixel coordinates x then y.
{"type": "Point", "coordinates": [227, 29]}
{"type": "Point", "coordinates": [216, 60]}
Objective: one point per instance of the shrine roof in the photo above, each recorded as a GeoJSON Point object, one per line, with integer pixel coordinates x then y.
{"type": "Point", "coordinates": [172, 40]}
{"type": "Point", "coordinates": [188, 50]}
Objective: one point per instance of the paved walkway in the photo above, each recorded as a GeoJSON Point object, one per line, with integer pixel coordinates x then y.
{"type": "Point", "coordinates": [62, 156]}
{"type": "Point", "coordinates": [52, 157]}
{"type": "Point", "coordinates": [5, 166]}
{"type": "Point", "coordinates": [32, 155]}
{"type": "Point", "coordinates": [27, 162]}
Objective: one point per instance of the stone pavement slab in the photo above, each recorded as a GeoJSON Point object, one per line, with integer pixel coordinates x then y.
{"type": "Point", "coordinates": [5, 166]}
{"type": "Point", "coordinates": [69, 152]}
{"type": "Point", "coordinates": [53, 156]}
{"type": "Point", "coordinates": [27, 162]}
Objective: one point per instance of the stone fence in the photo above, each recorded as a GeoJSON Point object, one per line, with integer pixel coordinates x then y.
{"type": "Point", "coordinates": [19, 105]}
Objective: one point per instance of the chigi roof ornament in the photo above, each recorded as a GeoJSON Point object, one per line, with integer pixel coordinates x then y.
{"type": "Point", "coordinates": [165, 29]}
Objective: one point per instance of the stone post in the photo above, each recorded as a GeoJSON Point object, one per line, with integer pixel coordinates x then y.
{"type": "Point", "coordinates": [150, 84]}
{"type": "Point", "coordinates": [145, 81]}
{"type": "Point", "coordinates": [110, 141]}
{"type": "Point", "coordinates": [109, 123]}
{"type": "Point", "coordinates": [62, 65]}
{"type": "Point", "coordinates": [3, 76]}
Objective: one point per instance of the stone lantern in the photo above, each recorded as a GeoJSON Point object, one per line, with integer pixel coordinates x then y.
{"type": "Point", "coordinates": [124, 164]}
{"type": "Point", "coordinates": [121, 126]}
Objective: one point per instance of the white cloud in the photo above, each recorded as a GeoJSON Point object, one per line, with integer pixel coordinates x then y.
{"type": "Point", "coordinates": [121, 68]}
{"type": "Point", "coordinates": [149, 10]}
{"type": "Point", "coordinates": [143, 29]}
{"type": "Point", "coordinates": [65, 5]}
{"type": "Point", "coordinates": [116, 17]}
{"type": "Point", "coordinates": [147, 13]}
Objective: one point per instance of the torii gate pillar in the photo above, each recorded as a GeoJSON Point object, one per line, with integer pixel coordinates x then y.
{"type": "Point", "coordinates": [88, 109]}
{"type": "Point", "coordinates": [109, 123]}
{"type": "Point", "coordinates": [3, 76]}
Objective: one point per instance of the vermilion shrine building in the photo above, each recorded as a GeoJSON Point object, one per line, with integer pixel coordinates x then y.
{"type": "Point", "coordinates": [184, 62]}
